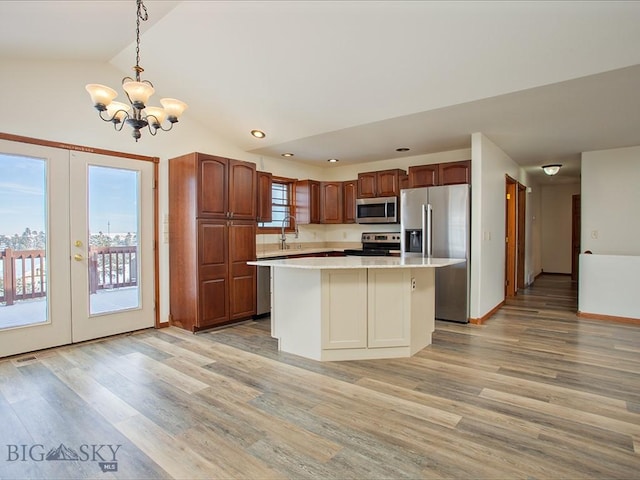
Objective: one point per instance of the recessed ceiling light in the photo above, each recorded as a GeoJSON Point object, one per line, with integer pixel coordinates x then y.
{"type": "Point", "coordinates": [288, 154]}
{"type": "Point", "coordinates": [333, 160]}
{"type": "Point", "coordinates": [258, 133]}
{"type": "Point", "coordinates": [402, 149]}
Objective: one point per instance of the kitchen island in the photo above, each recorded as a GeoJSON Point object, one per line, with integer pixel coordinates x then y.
{"type": "Point", "coordinates": [353, 308]}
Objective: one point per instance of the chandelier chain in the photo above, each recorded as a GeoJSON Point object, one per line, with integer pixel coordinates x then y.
{"type": "Point", "coordinates": [141, 14]}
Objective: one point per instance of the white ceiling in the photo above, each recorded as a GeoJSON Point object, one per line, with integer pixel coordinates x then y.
{"type": "Point", "coordinates": [355, 80]}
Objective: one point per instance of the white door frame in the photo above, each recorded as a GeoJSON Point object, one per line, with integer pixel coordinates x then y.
{"type": "Point", "coordinates": [61, 269]}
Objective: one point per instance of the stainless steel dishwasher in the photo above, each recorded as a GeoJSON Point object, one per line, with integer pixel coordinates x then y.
{"type": "Point", "coordinates": [264, 291]}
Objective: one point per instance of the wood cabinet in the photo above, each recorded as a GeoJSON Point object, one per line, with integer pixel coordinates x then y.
{"type": "Point", "coordinates": [423, 176]}
{"type": "Point", "coordinates": [307, 201]}
{"type": "Point", "coordinates": [212, 228]}
{"type": "Point", "coordinates": [264, 197]}
{"type": "Point", "coordinates": [349, 195]}
{"type": "Point", "coordinates": [226, 188]}
{"type": "Point", "coordinates": [454, 173]}
{"type": "Point", "coordinates": [451, 173]}
{"type": "Point", "coordinates": [383, 183]}
{"type": "Point", "coordinates": [331, 202]}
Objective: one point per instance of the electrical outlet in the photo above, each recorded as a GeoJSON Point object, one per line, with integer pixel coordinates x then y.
{"type": "Point", "coordinates": [413, 284]}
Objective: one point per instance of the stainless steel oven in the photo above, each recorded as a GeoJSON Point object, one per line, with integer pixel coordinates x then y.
{"type": "Point", "coordinates": [378, 244]}
{"type": "Point", "coordinates": [377, 210]}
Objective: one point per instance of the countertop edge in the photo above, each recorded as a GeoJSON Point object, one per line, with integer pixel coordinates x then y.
{"type": "Point", "coordinates": [324, 263]}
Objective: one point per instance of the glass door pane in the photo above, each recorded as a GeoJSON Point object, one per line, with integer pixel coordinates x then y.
{"type": "Point", "coordinates": [23, 241]}
{"type": "Point", "coordinates": [113, 197]}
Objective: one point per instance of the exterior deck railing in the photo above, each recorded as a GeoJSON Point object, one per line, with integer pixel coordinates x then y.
{"type": "Point", "coordinates": [23, 273]}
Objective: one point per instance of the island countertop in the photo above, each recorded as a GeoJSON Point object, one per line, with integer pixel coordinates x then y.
{"type": "Point", "coordinates": [333, 263]}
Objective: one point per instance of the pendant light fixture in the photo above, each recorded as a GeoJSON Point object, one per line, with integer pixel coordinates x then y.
{"type": "Point", "coordinates": [137, 114]}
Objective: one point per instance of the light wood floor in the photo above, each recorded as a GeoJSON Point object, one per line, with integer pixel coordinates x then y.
{"type": "Point", "coordinates": [534, 393]}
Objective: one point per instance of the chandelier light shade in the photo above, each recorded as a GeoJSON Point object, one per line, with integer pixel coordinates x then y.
{"type": "Point", "coordinates": [137, 114]}
{"type": "Point", "coordinates": [551, 169]}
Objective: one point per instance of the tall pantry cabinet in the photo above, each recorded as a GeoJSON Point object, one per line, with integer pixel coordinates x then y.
{"type": "Point", "coordinates": [212, 234]}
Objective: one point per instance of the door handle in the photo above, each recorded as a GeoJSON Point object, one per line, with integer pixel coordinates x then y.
{"type": "Point", "coordinates": [78, 258]}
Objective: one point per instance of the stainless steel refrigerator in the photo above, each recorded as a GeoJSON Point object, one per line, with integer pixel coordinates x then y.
{"type": "Point", "coordinates": [436, 222]}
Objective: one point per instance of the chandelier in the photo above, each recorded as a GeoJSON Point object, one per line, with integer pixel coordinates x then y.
{"type": "Point", "coordinates": [137, 114]}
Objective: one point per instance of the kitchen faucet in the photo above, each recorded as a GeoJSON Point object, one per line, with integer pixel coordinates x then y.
{"type": "Point", "coordinates": [283, 237]}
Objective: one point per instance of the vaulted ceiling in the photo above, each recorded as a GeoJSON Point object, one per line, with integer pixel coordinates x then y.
{"type": "Point", "coordinates": [355, 80]}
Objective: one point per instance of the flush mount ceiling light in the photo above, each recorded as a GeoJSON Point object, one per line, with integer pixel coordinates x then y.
{"type": "Point", "coordinates": [333, 160]}
{"type": "Point", "coordinates": [287, 154]}
{"type": "Point", "coordinates": [551, 169]}
{"type": "Point", "coordinates": [137, 114]}
{"type": "Point", "coordinates": [258, 133]}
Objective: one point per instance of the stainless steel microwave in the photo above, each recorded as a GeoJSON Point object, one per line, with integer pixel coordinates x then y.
{"type": "Point", "coordinates": [377, 210]}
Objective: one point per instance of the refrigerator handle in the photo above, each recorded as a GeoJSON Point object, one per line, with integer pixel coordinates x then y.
{"type": "Point", "coordinates": [429, 232]}
{"type": "Point", "coordinates": [425, 226]}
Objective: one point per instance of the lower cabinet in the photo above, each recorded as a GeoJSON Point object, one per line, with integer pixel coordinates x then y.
{"type": "Point", "coordinates": [226, 285]}
{"type": "Point", "coordinates": [366, 308]}
{"type": "Point", "coordinates": [352, 313]}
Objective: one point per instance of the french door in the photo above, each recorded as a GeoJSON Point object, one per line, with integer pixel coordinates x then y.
{"type": "Point", "coordinates": [76, 246]}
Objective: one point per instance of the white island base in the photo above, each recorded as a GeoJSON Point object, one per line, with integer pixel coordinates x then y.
{"type": "Point", "coordinates": [353, 308]}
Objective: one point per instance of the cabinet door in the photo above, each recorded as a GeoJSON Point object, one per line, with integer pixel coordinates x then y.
{"type": "Point", "coordinates": [331, 202]}
{"type": "Point", "coordinates": [454, 172]}
{"type": "Point", "coordinates": [242, 190]}
{"type": "Point", "coordinates": [212, 186]}
{"type": "Point", "coordinates": [388, 183]}
{"type": "Point", "coordinates": [213, 274]}
{"type": "Point", "coordinates": [307, 202]}
{"type": "Point", "coordinates": [315, 201]}
{"type": "Point", "coordinates": [349, 194]}
{"type": "Point", "coordinates": [389, 307]}
{"type": "Point", "coordinates": [242, 277]}
{"type": "Point", "coordinates": [367, 185]}
{"type": "Point", "coordinates": [264, 212]}
{"type": "Point", "coordinates": [344, 308]}
{"type": "Point", "coordinates": [423, 176]}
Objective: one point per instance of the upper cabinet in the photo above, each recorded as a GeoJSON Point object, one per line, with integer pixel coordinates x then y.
{"type": "Point", "coordinates": [307, 201]}
{"type": "Point", "coordinates": [423, 176]}
{"type": "Point", "coordinates": [349, 195]}
{"type": "Point", "coordinates": [226, 187]}
{"type": "Point", "coordinates": [451, 173]}
{"type": "Point", "coordinates": [383, 183]}
{"type": "Point", "coordinates": [331, 200]}
{"type": "Point", "coordinates": [264, 210]}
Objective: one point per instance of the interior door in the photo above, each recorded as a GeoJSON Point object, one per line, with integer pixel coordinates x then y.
{"type": "Point", "coordinates": [76, 246]}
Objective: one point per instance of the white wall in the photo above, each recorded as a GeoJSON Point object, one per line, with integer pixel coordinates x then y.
{"type": "Point", "coordinates": [556, 226]}
{"type": "Point", "coordinates": [608, 283]}
{"type": "Point", "coordinates": [489, 167]}
{"type": "Point", "coordinates": [611, 201]}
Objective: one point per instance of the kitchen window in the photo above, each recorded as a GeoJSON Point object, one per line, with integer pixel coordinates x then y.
{"type": "Point", "coordinates": [281, 206]}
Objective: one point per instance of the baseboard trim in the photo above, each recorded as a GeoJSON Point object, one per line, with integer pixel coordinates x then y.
{"type": "Point", "coordinates": [609, 318]}
{"type": "Point", "coordinates": [486, 316]}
